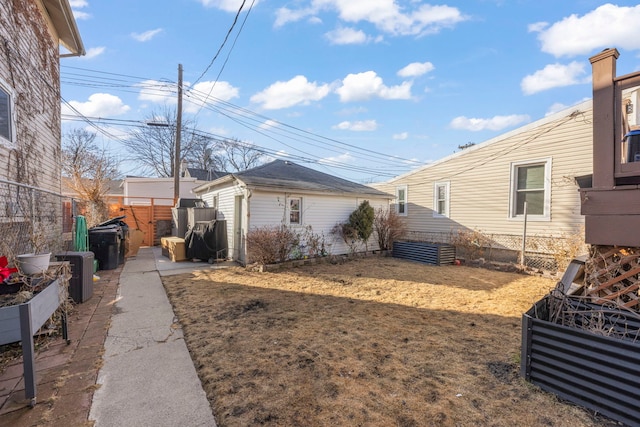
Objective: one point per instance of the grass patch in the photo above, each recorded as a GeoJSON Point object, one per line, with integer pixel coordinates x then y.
{"type": "Point", "coordinates": [375, 341]}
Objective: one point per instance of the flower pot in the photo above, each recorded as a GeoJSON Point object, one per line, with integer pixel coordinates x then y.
{"type": "Point", "coordinates": [33, 263]}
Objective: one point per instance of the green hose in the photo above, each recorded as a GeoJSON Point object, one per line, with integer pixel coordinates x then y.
{"type": "Point", "coordinates": [81, 239]}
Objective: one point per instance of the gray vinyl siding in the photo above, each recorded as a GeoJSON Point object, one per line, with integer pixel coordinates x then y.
{"type": "Point", "coordinates": [480, 178]}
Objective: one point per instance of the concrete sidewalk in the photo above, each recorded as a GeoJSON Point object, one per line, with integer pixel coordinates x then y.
{"type": "Point", "coordinates": [148, 377]}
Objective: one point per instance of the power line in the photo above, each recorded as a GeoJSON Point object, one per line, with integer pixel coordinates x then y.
{"type": "Point", "coordinates": [226, 37]}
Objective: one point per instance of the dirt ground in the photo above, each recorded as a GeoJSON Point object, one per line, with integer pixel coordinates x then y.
{"type": "Point", "coordinates": [371, 342]}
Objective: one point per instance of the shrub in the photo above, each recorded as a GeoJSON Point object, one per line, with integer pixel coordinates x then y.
{"type": "Point", "coordinates": [361, 220]}
{"type": "Point", "coordinates": [271, 244]}
{"type": "Point", "coordinates": [388, 227]}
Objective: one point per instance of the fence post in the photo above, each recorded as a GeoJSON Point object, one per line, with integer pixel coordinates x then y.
{"type": "Point", "coordinates": [524, 235]}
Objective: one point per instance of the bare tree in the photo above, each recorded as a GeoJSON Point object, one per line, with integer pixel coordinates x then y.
{"type": "Point", "coordinates": [239, 155]}
{"type": "Point", "coordinates": [89, 170]}
{"type": "Point", "coordinates": [153, 146]}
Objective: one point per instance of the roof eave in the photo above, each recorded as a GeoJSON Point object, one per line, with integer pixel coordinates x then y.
{"type": "Point", "coordinates": [64, 23]}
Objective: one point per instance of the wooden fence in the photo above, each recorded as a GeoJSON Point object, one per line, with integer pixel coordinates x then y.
{"type": "Point", "coordinates": [151, 215]}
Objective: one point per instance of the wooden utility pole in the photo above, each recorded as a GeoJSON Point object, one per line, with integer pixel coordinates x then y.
{"type": "Point", "coordinates": [176, 158]}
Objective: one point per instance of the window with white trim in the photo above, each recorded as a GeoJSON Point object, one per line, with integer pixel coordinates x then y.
{"type": "Point", "coordinates": [531, 183]}
{"type": "Point", "coordinates": [7, 126]}
{"type": "Point", "coordinates": [295, 210]}
{"type": "Point", "coordinates": [441, 199]}
{"type": "Point", "coordinates": [401, 200]}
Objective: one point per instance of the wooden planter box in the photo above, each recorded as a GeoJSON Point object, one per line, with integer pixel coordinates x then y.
{"type": "Point", "coordinates": [20, 322]}
{"type": "Point", "coordinates": [580, 364]}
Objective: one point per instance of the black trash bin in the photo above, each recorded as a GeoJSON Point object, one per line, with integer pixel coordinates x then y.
{"type": "Point", "coordinates": [123, 231]}
{"type": "Point", "coordinates": [104, 242]}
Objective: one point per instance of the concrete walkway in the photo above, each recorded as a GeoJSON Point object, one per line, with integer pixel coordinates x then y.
{"type": "Point", "coordinates": [148, 377]}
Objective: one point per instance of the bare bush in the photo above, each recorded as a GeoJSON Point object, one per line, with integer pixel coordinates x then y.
{"type": "Point", "coordinates": [348, 234]}
{"type": "Point", "coordinates": [271, 244]}
{"type": "Point", "coordinates": [470, 242]}
{"type": "Point", "coordinates": [389, 227]}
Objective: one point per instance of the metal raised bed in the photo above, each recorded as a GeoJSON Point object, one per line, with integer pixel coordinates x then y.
{"type": "Point", "coordinates": [428, 253]}
{"type": "Point", "coordinates": [585, 353]}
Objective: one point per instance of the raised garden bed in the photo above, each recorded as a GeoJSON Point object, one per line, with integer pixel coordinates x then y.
{"type": "Point", "coordinates": [585, 353]}
{"type": "Point", "coordinates": [19, 322]}
{"type": "Point", "coordinates": [428, 253]}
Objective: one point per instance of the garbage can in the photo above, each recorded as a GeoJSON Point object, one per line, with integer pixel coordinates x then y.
{"type": "Point", "coordinates": [81, 282]}
{"type": "Point", "coordinates": [104, 242]}
{"type": "Point", "coordinates": [123, 231]}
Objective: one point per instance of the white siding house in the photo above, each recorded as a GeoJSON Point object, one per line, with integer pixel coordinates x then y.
{"type": "Point", "coordinates": [140, 191]}
{"type": "Point", "coordinates": [282, 192]}
{"type": "Point", "coordinates": [483, 188]}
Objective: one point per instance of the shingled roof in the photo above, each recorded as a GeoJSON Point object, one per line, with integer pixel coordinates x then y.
{"type": "Point", "coordinates": [285, 175]}
{"type": "Point", "coordinates": [204, 174]}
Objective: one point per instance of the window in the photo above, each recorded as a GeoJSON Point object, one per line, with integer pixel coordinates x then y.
{"type": "Point", "coordinates": [401, 200]}
{"type": "Point", "coordinates": [295, 211]}
{"type": "Point", "coordinates": [530, 183]}
{"type": "Point", "coordinates": [441, 199]}
{"type": "Point", "coordinates": [6, 115]}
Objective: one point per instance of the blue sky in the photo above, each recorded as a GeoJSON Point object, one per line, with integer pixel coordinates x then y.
{"type": "Point", "coordinates": [365, 90]}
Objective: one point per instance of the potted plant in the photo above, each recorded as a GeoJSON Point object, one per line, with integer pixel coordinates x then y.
{"type": "Point", "coordinates": [36, 262]}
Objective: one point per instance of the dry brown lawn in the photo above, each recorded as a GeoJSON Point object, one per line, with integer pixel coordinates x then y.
{"type": "Point", "coordinates": [371, 342]}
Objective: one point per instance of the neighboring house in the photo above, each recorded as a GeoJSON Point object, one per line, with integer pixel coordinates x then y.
{"type": "Point", "coordinates": [144, 191]}
{"type": "Point", "coordinates": [31, 32]}
{"type": "Point", "coordinates": [282, 192]}
{"type": "Point", "coordinates": [483, 189]}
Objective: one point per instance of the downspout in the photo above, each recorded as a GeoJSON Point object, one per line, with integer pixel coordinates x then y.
{"type": "Point", "coordinates": [247, 195]}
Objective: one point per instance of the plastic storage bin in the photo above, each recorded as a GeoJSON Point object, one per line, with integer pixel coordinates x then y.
{"type": "Point", "coordinates": [81, 282]}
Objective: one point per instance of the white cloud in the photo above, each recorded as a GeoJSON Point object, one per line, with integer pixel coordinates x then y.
{"type": "Point", "coordinates": [93, 52]}
{"type": "Point", "coordinates": [557, 107]}
{"type": "Point", "coordinates": [608, 25]}
{"type": "Point", "coordinates": [147, 35]}
{"type": "Point", "coordinates": [78, 14]}
{"type": "Point", "coordinates": [367, 85]}
{"type": "Point", "coordinates": [226, 5]}
{"type": "Point", "coordinates": [285, 15]}
{"type": "Point", "coordinates": [194, 98]}
{"type": "Point", "coordinates": [401, 136]}
{"type": "Point", "coordinates": [416, 69]}
{"type": "Point", "coordinates": [158, 92]}
{"type": "Point", "coordinates": [342, 158]}
{"type": "Point", "coordinates": [98, 105]}
{"type": "Point", "coordinates": [206, 92]}
{"type": "Point", "coordinates": [297, 91]}
{"type": "Point", "coordinates": [386, 15]}
{"type": "Point", "coordinates": [268, 124]}
{"type": "Point", "coordinates": [343, 35]}
{"type": "Point", "coordinates": [554, 75]}
{"type": "Point", "coordinates": [357, 126]}
{"type": "Point", "coordinates": [554, 108]}
{"type": "Point", "coordinates": [494, 123]}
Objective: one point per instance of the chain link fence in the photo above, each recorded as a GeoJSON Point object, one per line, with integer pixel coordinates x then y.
{"type": "Point", "coordinates": [33, 220]}
{"type": "Point", "coordinates": [550, 253]}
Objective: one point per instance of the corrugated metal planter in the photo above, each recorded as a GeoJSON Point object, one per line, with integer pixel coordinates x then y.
{"type": "Point", "coordinates": [584, 353]}
{"type": "Point", "coordinates": [428, 253]}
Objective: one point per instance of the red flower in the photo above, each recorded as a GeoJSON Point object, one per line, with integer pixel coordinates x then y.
{"type": "Point", "coordinates": [5, 272]}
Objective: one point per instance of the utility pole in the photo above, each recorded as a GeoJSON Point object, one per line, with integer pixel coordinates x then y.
{"type": "Point", "coordinates": [176, 159]}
